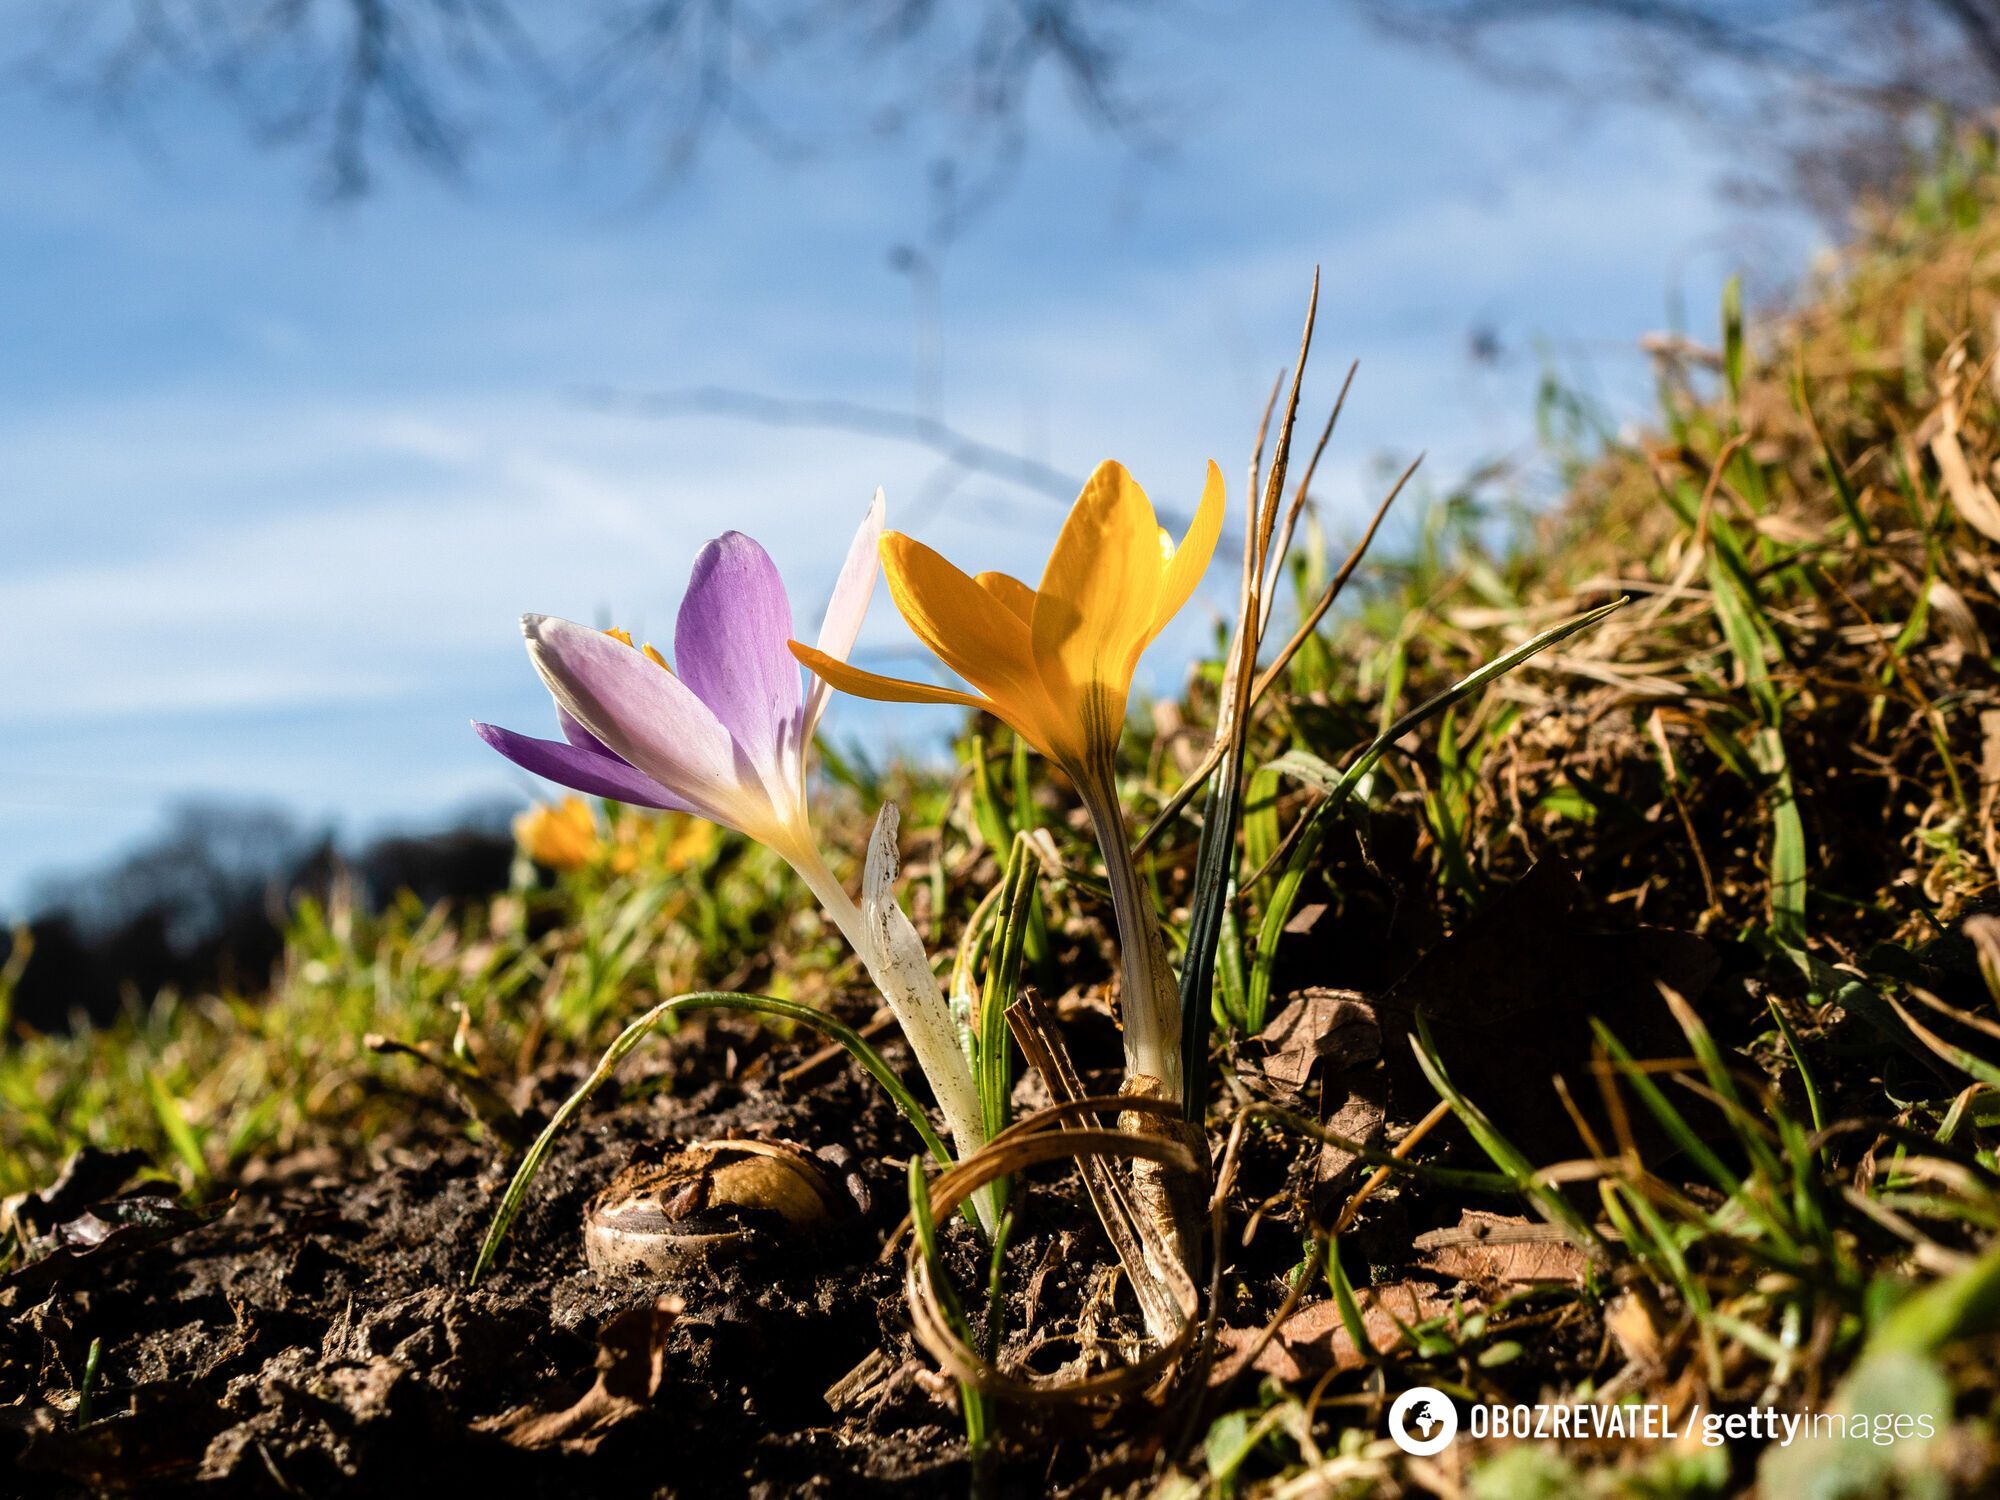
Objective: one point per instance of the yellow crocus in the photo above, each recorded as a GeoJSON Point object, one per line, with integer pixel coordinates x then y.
{"type": "Point", "coordinates": [1056, 663]}
{"type": "Point", "coordinates": [561, 835]}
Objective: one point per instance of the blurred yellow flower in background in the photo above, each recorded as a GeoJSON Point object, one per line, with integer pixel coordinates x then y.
{"type": "Point", "coordinates": [561, 835]}
{"type": "Point", "coordinates": [565, 836]}
{"type": "Point", "coordinates": [1054, 662]}
{"type": "Point", "coordinates": [670, 842]}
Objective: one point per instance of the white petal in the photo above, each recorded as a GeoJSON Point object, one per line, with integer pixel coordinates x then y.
{"type": "Point", "coordinates": [848, 605]}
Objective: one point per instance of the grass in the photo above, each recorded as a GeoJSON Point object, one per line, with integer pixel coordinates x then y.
{"type": "Point", "coordinates": [1789, 741]}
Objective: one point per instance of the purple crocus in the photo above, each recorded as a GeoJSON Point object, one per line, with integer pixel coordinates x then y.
{"type": "Point", "coordinates": [725, 738]}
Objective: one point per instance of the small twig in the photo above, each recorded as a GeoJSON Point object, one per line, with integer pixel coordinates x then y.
{"type": "Point", "coordinates": [1333, 588]}
{"type": "Point", "coordinates": [1380, 1175]}
{"type": "Point", "coordinates": [1284, 544]}
{"type": "Point", "coordinates": [1197, 778]}
{"type": "Point", "coordinates": [1132, 1235]}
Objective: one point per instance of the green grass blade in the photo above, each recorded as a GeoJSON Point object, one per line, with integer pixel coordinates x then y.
{"type": "Point", "coordinates": [1519, 1171]}
{"type": "Point", "coordinates": [1214, 883]}
{"type": "Point", "coordinates": [972, 1403]}
{"type": "Point", "coordinates": [174, 1125]}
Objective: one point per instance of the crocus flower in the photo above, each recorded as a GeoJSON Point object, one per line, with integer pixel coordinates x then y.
{"type": "Point", "coordinates": [1056, 663]}
{"type": "Point", "coordinates": [723, 733]}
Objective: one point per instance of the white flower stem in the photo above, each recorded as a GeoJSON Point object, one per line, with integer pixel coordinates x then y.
{"type": "Point", "coordinates": [912, 992]}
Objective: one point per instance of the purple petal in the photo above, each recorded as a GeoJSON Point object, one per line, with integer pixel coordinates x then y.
{"type": "Point", "coordinates": [730, 645]}
{"type": "Point", "coordinates": [588, 771]}
{"type": "Point", "coordinates": [644, 715]}
{"type": "Point", "coordinates": [580, 737]}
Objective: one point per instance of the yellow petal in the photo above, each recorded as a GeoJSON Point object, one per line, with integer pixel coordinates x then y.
{"type": "Point", "coordinates": [1010, 591]}
{"type": "Point", "coordinates": [1094, 611]}
{"type": "Point", "coordinates": [880, 689]}
{"type": "Point", "coordinates": [1190, 560]}
{"type": "Point", "coordinates": [972, 632]}
{"type": "Point", "coordinates": [976, 634]}
{"type": "Point", "coordinates": [873, 685]}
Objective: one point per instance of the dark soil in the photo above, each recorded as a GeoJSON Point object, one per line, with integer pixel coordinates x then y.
{"type": "Point", "coordinates": [317, 1336]}
{"type": "Point", "coordinates": [312, 1331]}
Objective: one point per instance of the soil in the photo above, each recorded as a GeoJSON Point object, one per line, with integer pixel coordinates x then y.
{"type": "Point", "coordinates": [311, 1331]}
{"type": "Point", "coordinates": [316, 1334]}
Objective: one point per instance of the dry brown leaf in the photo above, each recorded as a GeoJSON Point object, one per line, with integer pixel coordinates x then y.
{"type": "Point", "coordinates": [1501, 1250]}
{"type": "Point", "coordinates": [1323, 1047]}
{"type": "Point", "coordinates": [630, 1360]}
{"type": "Point", "coordinates": [1321, 1031]}
{"type": "Point", "coordinates": [1969, 493]}
{"type": "Point", "coordinates": [1314, 1339]}
{"type": "Point", "coordinates": [88, 1175]}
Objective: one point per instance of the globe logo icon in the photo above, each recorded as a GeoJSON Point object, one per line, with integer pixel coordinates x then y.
{"type": "Point", "coordinates": [1422, 1421]}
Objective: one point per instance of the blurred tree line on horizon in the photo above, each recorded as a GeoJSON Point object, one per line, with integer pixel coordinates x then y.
{"type": "Point", "coordinates": [204, 903]}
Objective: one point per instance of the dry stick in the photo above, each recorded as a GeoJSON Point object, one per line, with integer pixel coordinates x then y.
{"type": "Point", "coordinates": [1142, 1250]}
{"type": "Point", "coordinates": [1263, 431]}
{"type": "Point", "coordinates": [1000, 1157]}
{"type": "Point", "coordinates": [1260, 519]}
{"type": "Point", "coordinates": [1283, 659]}
{"type": "Point", "coordinates": [1332, 590]}
{"type": "Point", "coordinates": [1299, 498]}
{"type": "Point", "coordinates": [1583, 1128]}
{"type": "Point", "coordinates": [1216, 861]}
{"type": "Point", "coordinates": [1380, 1175]}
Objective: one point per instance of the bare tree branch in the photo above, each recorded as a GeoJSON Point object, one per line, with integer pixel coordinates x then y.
{"type": "Point", "coordinates": [1831, 98]}
{"type": "Point", "coordinates": [422, 80]}
{"type": "Point", "coordinates": [959, 450]}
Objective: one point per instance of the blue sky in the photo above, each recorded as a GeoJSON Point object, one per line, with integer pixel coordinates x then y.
{"type": "Point", "coordinates": [276, 478]}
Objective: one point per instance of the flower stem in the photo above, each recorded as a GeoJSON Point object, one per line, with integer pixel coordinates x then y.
{"type": "Point", "coordinates": [912, 992]}
{"type": "Point", "coordinates": [1150, 996]}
